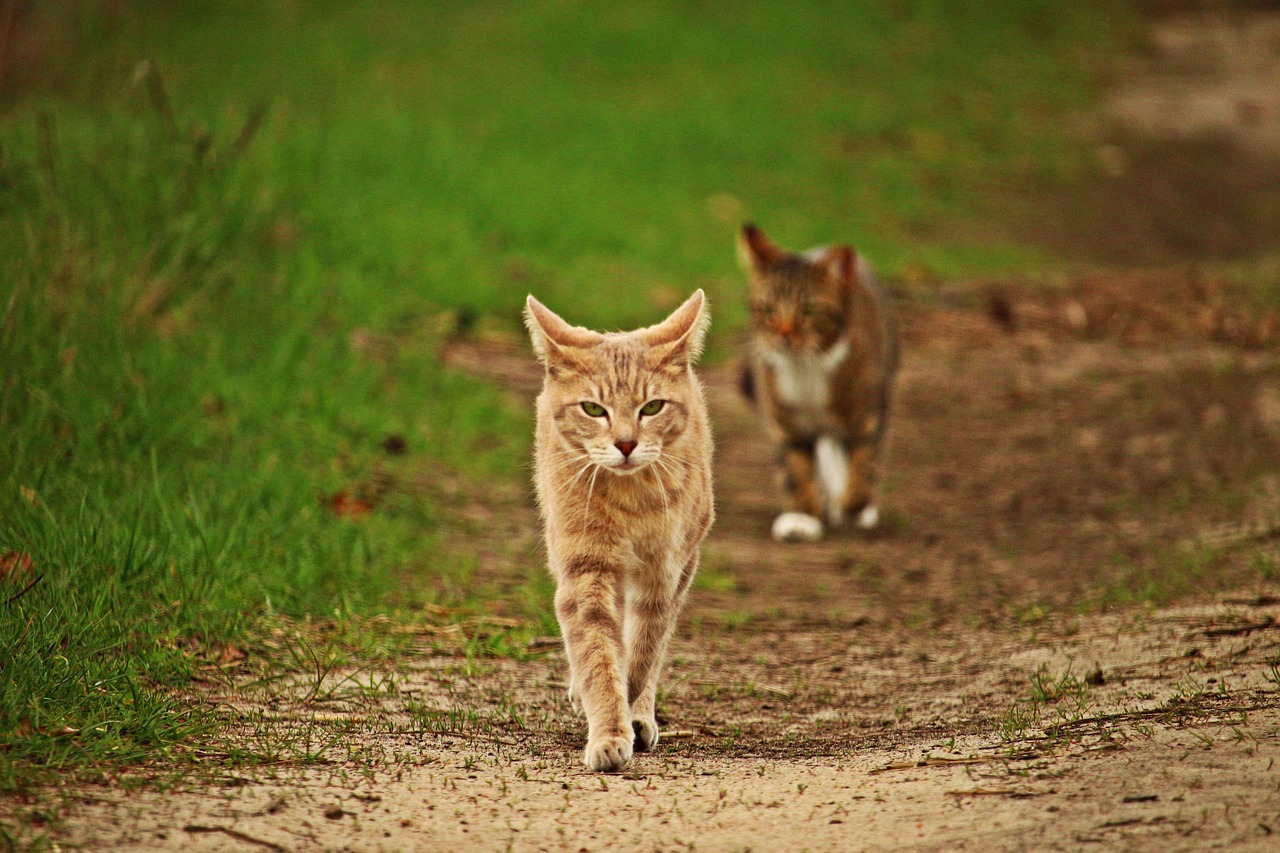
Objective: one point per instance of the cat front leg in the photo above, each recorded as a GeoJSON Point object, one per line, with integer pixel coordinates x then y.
{"type": "Point", "coordinates": [802, 523]}
{"type": "Point", "coordinates": [589, 609]}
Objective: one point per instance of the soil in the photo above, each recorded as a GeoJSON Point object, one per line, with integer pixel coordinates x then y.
{"type": "Point", "coordinates": [1064, 635]}
{"type": "Point", "coordinates": [1187, 149]}
{"type": "Point", "coordinates": [794, 737]}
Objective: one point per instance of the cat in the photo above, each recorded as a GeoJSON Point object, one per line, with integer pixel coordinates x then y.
{"type": "Point", "coordinates": [622, 469]}
{"type": "Point", "coordinates": [821, 363]}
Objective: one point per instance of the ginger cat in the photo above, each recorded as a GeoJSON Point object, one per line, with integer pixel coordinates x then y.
{"type": "Point", "coordinates": [622, 466]}
{"type": "Point", "coordinates": [823, 355]}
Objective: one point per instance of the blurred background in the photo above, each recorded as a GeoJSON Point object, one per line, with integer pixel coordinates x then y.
{"type": "Point", "coordinates": [236, 237]}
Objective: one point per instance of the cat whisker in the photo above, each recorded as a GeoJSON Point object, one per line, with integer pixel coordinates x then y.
{"type": "Point", "coordinates": [586, 510]}
{"type": "Point", "coordinates": [572, 457]}
{"type": "Point", "coordinates": [564, 466]}
{"type": "Point", "coordinates": [568, 463]}
{"type": "Point", "coordinates": [578, 476]}
{"type": "Point", "coordinates": [662, 489]}
{"type": "Point", "coordinates": [680, 459]}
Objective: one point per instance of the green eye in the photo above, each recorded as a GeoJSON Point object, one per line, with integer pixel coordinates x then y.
{"type": "Point", "coordinates": [652, 407]}
{"type": "Point", "coordinates": [594, 409]}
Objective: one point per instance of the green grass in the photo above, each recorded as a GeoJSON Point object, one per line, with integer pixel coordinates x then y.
{"type": "Point", "coordinates": [180, 405]}
{"type": "Point", "coordinates": [466, 154]}
{"type": "Point", "coordinates": [1054, 700]}
{"type": "Point", "coordinates": [1170, 572]}
{"type": "Point", "coordinates": [208, 325]}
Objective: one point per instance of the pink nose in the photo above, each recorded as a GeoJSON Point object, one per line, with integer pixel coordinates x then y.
{"type": "Point", "coordinates": [626, 447]}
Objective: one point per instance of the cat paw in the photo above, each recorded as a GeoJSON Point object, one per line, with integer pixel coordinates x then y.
{"type": "Point", "coordinates": [797, 527]}
{"type": "Point", "coordinates": [869, 518]}
{"type": "Point", "coordinates": [646, 734]}
{"type": "Point", "coordinates": [608, 754]}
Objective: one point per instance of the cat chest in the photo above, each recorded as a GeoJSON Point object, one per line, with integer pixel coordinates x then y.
{"type": "Point", "coordinates": [803, 381]}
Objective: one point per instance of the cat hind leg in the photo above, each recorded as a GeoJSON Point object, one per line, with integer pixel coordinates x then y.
{"type": "Point", "coordinates": [574, 701]}
{"type": "Point", "coordinates": [651, 617]}
{"type": "Point", "coordinates": [859, 495]}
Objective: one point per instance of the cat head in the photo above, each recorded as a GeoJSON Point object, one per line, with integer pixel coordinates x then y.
{"type": "Point", "coordinates": [621, 400]}
{"type": "Point", "coordinates": [799, 303]}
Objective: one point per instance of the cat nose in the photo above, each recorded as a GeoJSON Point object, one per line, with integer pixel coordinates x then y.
{"type": "Point", "coordinates": [784, 327]}
{"type": "Point", "coordinates": [626, 447]}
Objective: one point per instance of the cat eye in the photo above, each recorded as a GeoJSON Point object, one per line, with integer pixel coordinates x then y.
{"type": "Point", "coordinates": [652, 407]}
{"type": "Point", "coordinates": [594, 409]}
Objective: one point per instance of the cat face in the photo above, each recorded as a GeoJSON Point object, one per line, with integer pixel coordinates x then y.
{"type": "Point", "coordinates": [621, 401]}
{"type": "Point", "coordinates": [623, 410]}
{"type": "Point", "coordinates": [798, 303]}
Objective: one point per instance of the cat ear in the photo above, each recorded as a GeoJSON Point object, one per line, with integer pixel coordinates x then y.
{"type": "Point", "coordinates": [756, 252]}
{"type": "Point", "coordinates": [839, 263]}
{"type": "Point", "coordinates": [682, 334]}
{"type": "Point", "coordinates": [551, 335]}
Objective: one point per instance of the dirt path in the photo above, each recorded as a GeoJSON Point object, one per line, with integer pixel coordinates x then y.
{"type": "Point", "coordinates": [1113, 442]}
{"type": "Point", "coordinates": [928, 687]}
{"type": "Point", "coordinates": [1153, 729]}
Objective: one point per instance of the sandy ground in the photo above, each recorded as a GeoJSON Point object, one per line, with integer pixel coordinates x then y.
{"type": "Point", "coordinates": [864, 740]}
{"type": "Point", "coordinates": [1113, 441]}
{"type": "Point", "coordinates": [1215, 71]}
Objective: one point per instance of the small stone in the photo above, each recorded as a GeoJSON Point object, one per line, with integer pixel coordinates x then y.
{"type": "Point", "coordinates": [333, 812]}
{"type": "Point", "coordinates": [1089, 438]}
{"type": "Point", "coordinates": [1267, 405]}
{"type": "Point", "coordinates": [1076, 316]}
{"type": "Point", "coordinates": [1113, 159]}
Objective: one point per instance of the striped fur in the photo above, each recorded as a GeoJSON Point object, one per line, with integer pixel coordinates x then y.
{"type": "Point", "coordinates": [626, 501]}
{"type": "Point", "coordinates": [824, 352]}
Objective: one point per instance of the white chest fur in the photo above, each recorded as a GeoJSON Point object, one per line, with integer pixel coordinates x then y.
{"type": "Point", "coordinates": [803, 379]}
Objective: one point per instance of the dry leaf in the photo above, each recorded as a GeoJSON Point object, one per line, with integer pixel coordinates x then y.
{"type": "Point", "coordinates": [15, 565]}
{"type": "Point", "coordinates": [343, 504]}
{"type": "Point", "coordinates": [231, 655]}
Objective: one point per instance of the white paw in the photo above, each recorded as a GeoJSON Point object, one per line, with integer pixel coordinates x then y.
{"type": "Point", "coordinates": [869, 518]}
{"type": "Point", "coordinates": [608, 754]}
{"type": "Point", "coordinates": [646, 734]}
{"type": "Point", "coordinates": [797, 527]}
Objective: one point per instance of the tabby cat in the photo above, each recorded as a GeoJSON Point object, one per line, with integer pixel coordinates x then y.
{"type": "Point", "coordinates": [821, 364]}
{"type": "Point", "coordinates": [622, 466]}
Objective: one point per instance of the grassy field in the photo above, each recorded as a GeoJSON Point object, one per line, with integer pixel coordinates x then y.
{"type": "Point", "coordinates": [224, 275]}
